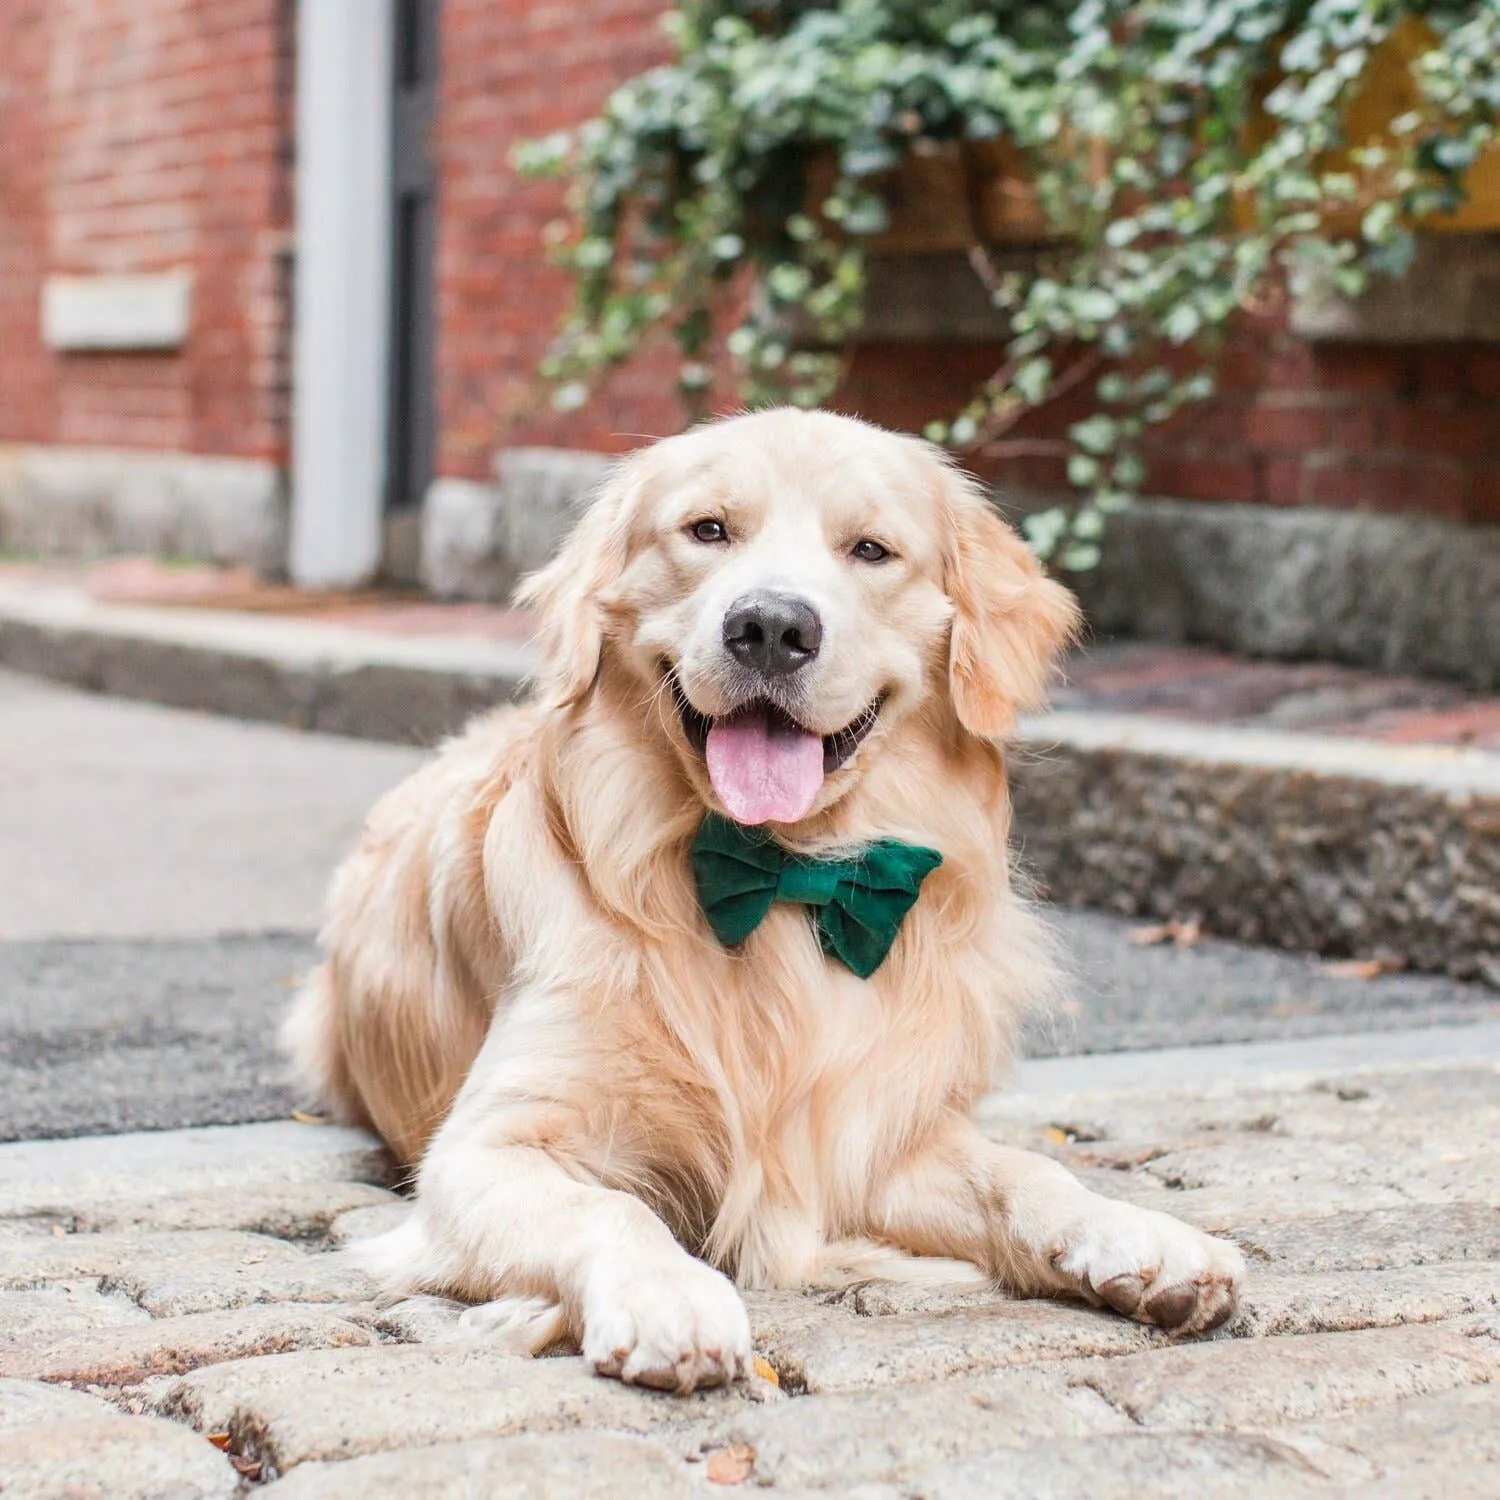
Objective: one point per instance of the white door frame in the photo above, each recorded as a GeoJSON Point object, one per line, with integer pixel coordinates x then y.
{"type": "Point", "coordinates": [344, 99]}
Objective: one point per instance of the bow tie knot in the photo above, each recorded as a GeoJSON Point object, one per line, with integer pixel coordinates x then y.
{"type": "Point", "coordinates": [858, 901]}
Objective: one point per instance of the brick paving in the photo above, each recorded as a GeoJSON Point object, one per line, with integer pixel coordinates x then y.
{"type": "Point", "coordinates": [174, 1319]}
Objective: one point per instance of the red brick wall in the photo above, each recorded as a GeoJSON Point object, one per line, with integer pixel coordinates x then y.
{"type": "Point", "coordinates": [139, 135]}
{"type": "Point", "coordinates": [511, 70]}
{"type": "Point", "coordinates": [1373, 427]}
{"type": "Point", "coordinates": [142, 134]}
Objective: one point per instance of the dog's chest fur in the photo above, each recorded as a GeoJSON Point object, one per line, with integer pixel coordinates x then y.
{"type": "Point", "coordinates": [761, 1124]}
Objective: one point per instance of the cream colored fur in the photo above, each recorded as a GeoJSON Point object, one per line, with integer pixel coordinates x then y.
{"type": "Point", "coordinates": [602, 1103]}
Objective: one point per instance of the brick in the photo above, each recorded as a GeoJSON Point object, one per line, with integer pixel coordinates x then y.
{"type": "Point", "coordinates": [175, 1273]}
{"type": "Point", "coordinates": [280, 1177]}
{"type": "Point", "coordinates": [172, 1346]}
{"type": "Point", "coordinates": [1202, 476]}
{"type": "Point", "coordinates": [63, 1443]}
{"type": "Point", "coordinates": [863, 1353]}
{"type": "Point", "coordinates": [1461, 431]}
{"type": "Point", "coordinates": [1234, 1386]}
{"type": "Point", "coordinates": [1176, 1464]}
{"type": "Point", "coordinates": [1376, 1239]}
{"type": "Point", "coordinates": [1288, 425]}
{"type": "Point", "coordinates": [1484, 495]}
{"type": "Point", "coordinates": [327, 1405]}
{"type": "Point", "coordinates": [1281, 480]}
{"type": "Point", "coordinates": [1340, 1301]}
{"type": "Point", "coordinates": [1482, 371]}
{"type": "Point", "coordinates": [62, 1308]}
{"type": "Point", "coordinates": [582, 1466]}
{"type": "Point", "coordinates": [1408, 1447]}
{"type": "Point", "coordinates": [886, 1436]}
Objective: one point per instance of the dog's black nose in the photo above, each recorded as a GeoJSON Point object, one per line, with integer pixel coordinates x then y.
{"type": "Point", "coordinates": [773, 634]}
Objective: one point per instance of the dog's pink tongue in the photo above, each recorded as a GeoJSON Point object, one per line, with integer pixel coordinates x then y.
{"type": "Point", "coordinates": [764, 772]}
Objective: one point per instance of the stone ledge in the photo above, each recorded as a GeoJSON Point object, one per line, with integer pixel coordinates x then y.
{"type": "Point", "coordinates": [1405, 594]}
{"type": "Point", "coordinates": [323, 677]}
{"type": "Point", "coordinates": [90, 501]}
{"type": "Point", "coordinates": [480, 540]}
{"type": "Point", "coordinates": [1324, 846]}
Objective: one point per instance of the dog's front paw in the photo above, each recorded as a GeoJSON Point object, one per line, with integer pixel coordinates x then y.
{"type": "Point", "coordinates": [1149, 1266]}
{"type": "Point", "coordinates": [677, 1326]}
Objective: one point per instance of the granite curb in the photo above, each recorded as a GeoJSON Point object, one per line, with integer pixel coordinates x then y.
{"type": "Point", "coordinates": [330, 678]}
{"type": "Point", "coordinates": [1325, 844]}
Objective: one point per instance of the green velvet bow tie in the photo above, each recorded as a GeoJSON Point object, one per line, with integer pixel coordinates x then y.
{"type": "Point", "coordinates": [857, 903]}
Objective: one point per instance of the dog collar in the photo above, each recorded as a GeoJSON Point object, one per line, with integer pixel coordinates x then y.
{"type": "Point", "coordinates": [857, 901]}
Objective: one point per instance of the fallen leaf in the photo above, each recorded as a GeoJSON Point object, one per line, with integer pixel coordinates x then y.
{"type": "Point", "coordinates": [58, 1232]}
{"type": "Point", "coordinates": [1363, 968]}
{"type": "Point", "coordinates": [731, 1465]}
{"type": "Point", "coordinates": [766, 1370]}
{"type": "Point", "coordinates": [253, 1260]}
{"type": "Point", "coordinates": [220, 1440]}
{"type": "Point", "coordinates": [1183, 934]}
{"type": "Point", "coordinates": [302, 1117]}
{"type": "Point", "coordinates": [246, 1468]}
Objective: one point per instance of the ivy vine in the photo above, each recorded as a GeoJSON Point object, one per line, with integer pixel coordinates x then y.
{"type": "Point", "coordinates": [1190, 158]}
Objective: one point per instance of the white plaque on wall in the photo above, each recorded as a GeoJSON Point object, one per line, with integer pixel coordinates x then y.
{"type": "Point", "coordinates": [147, 311]}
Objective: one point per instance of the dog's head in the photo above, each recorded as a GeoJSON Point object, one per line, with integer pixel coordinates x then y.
{"type": "Point", "coordinates": [791, 587]}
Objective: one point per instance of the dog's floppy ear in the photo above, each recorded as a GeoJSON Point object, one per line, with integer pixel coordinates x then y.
{"type": "Point", "coordinates": [1010, 620]}
{"type": "Point", "coordinates": [569, 594]}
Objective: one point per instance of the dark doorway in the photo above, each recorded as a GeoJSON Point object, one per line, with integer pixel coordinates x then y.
{"type": "Point", "coordinates": [413, 406]}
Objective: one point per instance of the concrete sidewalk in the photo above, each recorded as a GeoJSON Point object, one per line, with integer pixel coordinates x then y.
{"type": "Point", "coordinates": [173, 1322]}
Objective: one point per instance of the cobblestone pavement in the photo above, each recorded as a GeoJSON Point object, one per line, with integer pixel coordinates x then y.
{"type": "Point", "coordinates": [174, 1322]}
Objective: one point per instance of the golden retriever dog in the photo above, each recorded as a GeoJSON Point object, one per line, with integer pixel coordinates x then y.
{"type": "Point", "coordinates": [814, 635]}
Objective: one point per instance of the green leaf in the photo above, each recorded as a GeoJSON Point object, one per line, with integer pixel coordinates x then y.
{"type": "Point", "coordinates": [1080, 557]}
{"type": "Point", "coordinates": [1096, 434]}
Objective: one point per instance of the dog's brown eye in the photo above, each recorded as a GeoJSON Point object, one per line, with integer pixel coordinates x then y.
{"type": "Point", "coordinates": [868, 551]}
{"type": "Point", "coordinates": [708, 531]}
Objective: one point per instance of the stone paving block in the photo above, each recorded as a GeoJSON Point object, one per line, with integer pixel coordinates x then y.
{"type": "Point", "coordinates": [1126, 1466]}
{"type": "Point", "coordinates": [334, 1404]}
{"type": "Point", "coordinates": [860, 1353]}
{"type": "Point", "coordinates": [1427, 1096]}
{"type": "Point", "coordinates": [1243, 1384]}
{"type": "Point", "coordinates": [60, 1309]}
{"type": "Point", "coordinates": [30, 1259]}
{"type": "Point", "coordinates": [24, 1402]}
{"type": "Point", "coordinates": [177, 1287]}
{"type": "Point", "coordinates": [1338, 1301]}
{"type": "Point", "coordinates": [580, 1466]}
{"type": "Point", "coordinates": [874, 1437]}
{"type": "Point", "coordinates": [172, 1346]}
{"type": "Point", "coordinates": [302, 1211]}
{"type": "Point", "coordinates": [368, 1220]}
{"type": "Point", "coordinates": [106, 1181]}
{"type": "Point", "coordinates": [172, 1274]}
{"type": "Point", "coordinates": [1459, 1429]}
{"type": "Point", "coordinates": [56, 1443]}
{"type": "Point", "coordinates": [421, 1320]}
{"type": "Point", "coordinates": [1452, 1167]}
{"type": "Point", "coordinates": [1376, 1239]}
